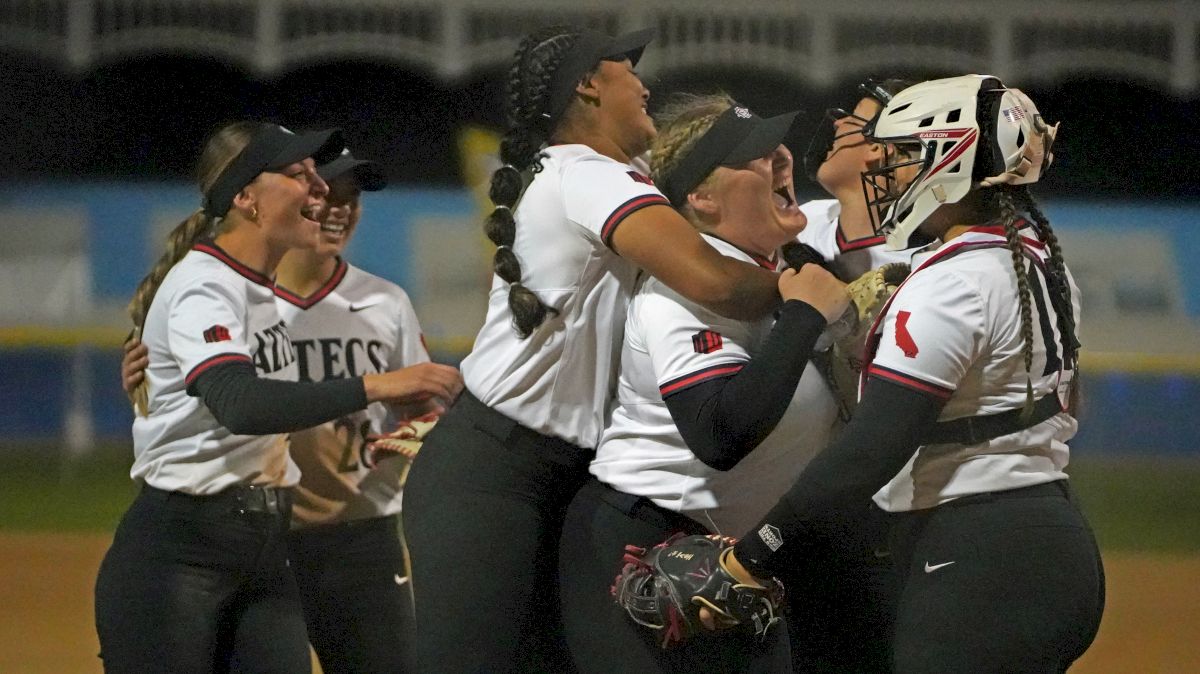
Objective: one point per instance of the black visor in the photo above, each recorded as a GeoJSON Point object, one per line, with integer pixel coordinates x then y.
{"type": "Point", "coordinates": [272, 147]}
{"type": "Point", "coordinates": [589, 49]}
{"type": "Point", "coordinates": [738, 136]}
{"type": "Point", "coordinates": [368, 174]}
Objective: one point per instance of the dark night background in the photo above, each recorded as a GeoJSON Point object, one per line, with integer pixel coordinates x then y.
{"type": "Point", "coordinates": [146, 118]}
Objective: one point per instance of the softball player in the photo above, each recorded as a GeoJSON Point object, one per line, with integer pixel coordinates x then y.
{"type": "Point", "coordinates": [714, 417]}
{"type": "Point", "coordinates": [517, 444]}
{"type": "Point", "coordinates": [345, 546]}
{"type": "Point", "coordinates": [965, 411]}
{"type": "Point", "coordinates": [197, 577]}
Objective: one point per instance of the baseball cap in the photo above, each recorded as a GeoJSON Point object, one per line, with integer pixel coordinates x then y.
{"type": "Point", "coordinates": [738, 136]}
{"type": "Point", "coordinates": [589, 49]}
{"type": "Point", "coordinates": [368, 174]}
{"type": "Point", "coordinates": [272, 147]}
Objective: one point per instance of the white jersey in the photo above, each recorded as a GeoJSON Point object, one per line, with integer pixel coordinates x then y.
{"type": "Point", "coordinates": [953, 330]}
{"type": "Point", "coordinates": [671, 344]}
{"type": "Point", "coordinates": [209, 310]}
{"type": "Point", "coordinates": [849, 259]}
{"type": "Point", "coordinates": [355, 324]}
{"type": "Point", "coordinates": [559, 380]}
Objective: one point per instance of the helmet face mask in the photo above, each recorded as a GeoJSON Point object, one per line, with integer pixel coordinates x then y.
{"type": "Point", "coordinates": [946, 123]}
{"type": "Point", "coordinates": [822, 141]}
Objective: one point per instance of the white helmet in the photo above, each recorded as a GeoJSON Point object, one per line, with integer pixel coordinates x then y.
{"type": "Point", "coordinates": [945, 123]}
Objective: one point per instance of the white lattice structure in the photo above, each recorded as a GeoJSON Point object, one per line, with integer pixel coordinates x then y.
{"type": "Point", "coordinates": [1153, 41]}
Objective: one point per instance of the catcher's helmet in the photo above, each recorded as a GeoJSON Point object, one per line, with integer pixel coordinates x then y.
{"type": "Point", "coordinates": [965, 133]}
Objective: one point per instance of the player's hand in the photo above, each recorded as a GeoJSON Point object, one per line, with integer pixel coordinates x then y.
{"type": "Point", "coordinates": [134, 364]}
{"type": "Point", "coordinates": [414, 384]}
{"type": "Point", "coordinates": [816, 287]}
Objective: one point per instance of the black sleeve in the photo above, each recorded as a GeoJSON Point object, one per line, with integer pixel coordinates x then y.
{"type": "Point", "coordinates": [724, 419]}
{"type": "Point", "coordinates": [882, 437]}
{"type": "Point", "coordinates": [249, 405]}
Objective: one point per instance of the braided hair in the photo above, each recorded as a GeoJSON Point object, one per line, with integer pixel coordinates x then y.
{"type": "Point", "coordinates": [681, 123]}
{"type": "Point", "coordinates": [1010, 218]}
{"type": "Point", "coordinates": [220, 150]}
{"type": "Point", "coordinates": [527, 111]}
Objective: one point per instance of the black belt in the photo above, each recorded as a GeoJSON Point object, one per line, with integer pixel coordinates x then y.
{"type": "Point", "coordinates": [644, 510]}
{"type": "Point", "coordinates": [238, 499]}
{"type": "Point", "coordinates": [1057, 488]}
{"type": "Point", "coordinates": [513, 434]}
{"type": "Point", "coordinates": [974, 430]}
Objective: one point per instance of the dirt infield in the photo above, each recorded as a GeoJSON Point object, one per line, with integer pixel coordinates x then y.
{"type": "Point", "coordinates": [1152, 623]}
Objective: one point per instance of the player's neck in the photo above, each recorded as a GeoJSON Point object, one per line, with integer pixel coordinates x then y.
{"type": "Point", "coordinates": [250, 249]}
{"type": "Point", "coordinates": [854, 219]}
{"type": "Point", "coordinates": [303, 272]}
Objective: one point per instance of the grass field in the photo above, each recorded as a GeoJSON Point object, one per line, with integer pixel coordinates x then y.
{"type": "Point", "coordinates": [57, 515]}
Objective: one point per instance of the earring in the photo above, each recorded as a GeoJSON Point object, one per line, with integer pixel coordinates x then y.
{"type": "Point", "coordinates": [254, 213]}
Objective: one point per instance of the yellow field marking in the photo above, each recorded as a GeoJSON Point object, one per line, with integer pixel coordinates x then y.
{"type": "Point", "coordinates": [37, 336]}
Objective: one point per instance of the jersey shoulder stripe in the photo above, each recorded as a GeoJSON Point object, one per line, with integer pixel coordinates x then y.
{"type": "Point", "coordinates": [214, 250]}
{"type": "Point", "coordinates": [909, 381]}
{"type": "Point", "coordinates": [625, 210]}
{"type": "Point", "coordinates": [213, 361]}
{"type": "Point", "coordinates": [692, 378]}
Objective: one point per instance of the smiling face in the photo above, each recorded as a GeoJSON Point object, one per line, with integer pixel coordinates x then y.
{"type": "Point", "coordinates": [754, 204]}
{"type": "Point", "coordinates": [288, 203]}
{"type": "Point", "coordinates": [621, 98]}
{"type": "Point", "coordinates": [341, 215]}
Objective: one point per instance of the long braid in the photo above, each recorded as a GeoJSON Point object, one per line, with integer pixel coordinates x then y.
{"type": "Point", "coordinates": [1059, 282]}
{"type": "Point", "coordinates": [221, 149]}
{"type": "Point", "coordinates": [1009, 214]}
{"type": "Point", "coordinates": [534, 63]}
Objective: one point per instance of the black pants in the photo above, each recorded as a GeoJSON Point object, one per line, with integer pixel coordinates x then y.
{"type": "Point", "coordinates": [601, 636]}
{"type": "Point", "coordinates": [1004, 582]}
{"type": "Point", "coordinates": [842, 598]}
{"type": "Point", "coordinates": [483, 510]}
{"type": "Point", "coordinates": [356, 595]}
{"type": "Point", "coordinates": [201, 584]}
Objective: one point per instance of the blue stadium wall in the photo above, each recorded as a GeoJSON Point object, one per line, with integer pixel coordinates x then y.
{"type": "Point", "coordinates": [1126, 412]}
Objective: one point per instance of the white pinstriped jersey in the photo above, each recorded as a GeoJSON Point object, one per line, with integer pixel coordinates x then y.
{"type": "Point", "coordinates": [849, 259]}
{"type": "Point", "coordinates": [209, 310]}
{"type": "Point", "coordinates": [560, 379]}
{"type": "Point", "coordinates": [355, 324]}
{"type": "Point", "coordinates": [953, 330]}
{"type": "Point", "coordinates": [671, 344]}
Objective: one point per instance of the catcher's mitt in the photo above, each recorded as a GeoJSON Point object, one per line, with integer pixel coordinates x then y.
{"type": "Point", "coordinates": [665, 588]}
{"type": "Point", "coordinates": [405, 441]}
{"type": "Point", "coordinates": [848, 335]}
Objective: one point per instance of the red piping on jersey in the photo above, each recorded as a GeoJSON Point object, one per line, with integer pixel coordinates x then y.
{"type": "Point", "coordinates": [339, 273]}
{"type": "Point", "coordinates": [998, 230]}
{"type": "Point", "coordinates": [625, 210]}
{"type": "Point", "coordinates": [216, 251]}
{"type": "Point", "coordinates": [213, 361]}
{"type": "Point", "coordinates": [857, 244]}
{"type": "Point", "coordinates": [689, 380]}
{"type": "Point", "coordinates": [909, 381]}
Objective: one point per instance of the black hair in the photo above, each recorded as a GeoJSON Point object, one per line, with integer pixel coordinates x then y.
{"type": "Point", "coordinates": [526, 108]}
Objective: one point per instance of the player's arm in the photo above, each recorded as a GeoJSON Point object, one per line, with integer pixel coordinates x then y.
{"type": "Point", "coordinates": [660, 240]}
{"type": "Point", "coordinates": [885, 432]}
{"type": "Point", "coordinates": [724, 419]}
{"type": "Point", "coordinates": [249, 405]}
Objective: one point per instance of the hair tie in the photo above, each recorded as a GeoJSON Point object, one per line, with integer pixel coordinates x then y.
{"type": "Point", "coordinates": [546, 115]}
{"type": "Point", "coordinates": [500, 207]}
{"type": "Point", "coordinates": [503, 246]}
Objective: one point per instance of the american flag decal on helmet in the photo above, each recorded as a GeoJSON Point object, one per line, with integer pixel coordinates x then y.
{"type": "Point", "coordinates": [707, 341]}
{"type": "Point", "coordinates": [1013, 114]}
{"type": "Point", "coordinates": [217, 333]}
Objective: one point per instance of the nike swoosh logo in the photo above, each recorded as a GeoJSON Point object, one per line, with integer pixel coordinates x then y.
{"type": "Point", "coordinates": [400, 580]}
{"type": "Point", "coordinates": [930, 568]}
{"type": "Point", "coordinates": [361, 307]}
